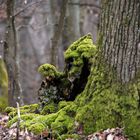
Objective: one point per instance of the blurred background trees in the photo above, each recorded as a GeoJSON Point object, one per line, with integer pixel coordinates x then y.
{"type": "Point", "coordinates": [34, 26]}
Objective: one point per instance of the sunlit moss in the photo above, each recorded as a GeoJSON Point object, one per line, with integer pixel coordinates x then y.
{"type": "Point", "coordinates": [62, 123]}
{"type": "Point", "coordinates": [37, 128]}
{"type": "Point", "coordinates": [33, 108]}
{"type": "Point", "coordinates": [48, 70]}
{"type": "Point", "coordinates": [25, 117]}
{"type": "Point", "coordinates": [9, 109]}
{"type": "Point", "coordinates": [62, 104]}
{"type": "Point", "coordinates": [79, 51]}
{"type": "Point", "coordinates": [49, 108]}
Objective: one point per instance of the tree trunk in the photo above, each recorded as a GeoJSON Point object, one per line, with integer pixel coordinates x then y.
{"type": "Point", "coordinates": [10, 57]}
{"type": "Point", "coordinates": [57, 33]}
{"type": "Point", "coordinates": [120, 28]}
{"type": "Point", "coordinates": [112, 94]}
{"type": "Point", "coordinates": [72, 24]}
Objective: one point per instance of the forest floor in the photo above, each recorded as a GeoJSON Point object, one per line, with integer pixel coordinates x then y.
{"type": "Point", "coordinates": [14, 133]}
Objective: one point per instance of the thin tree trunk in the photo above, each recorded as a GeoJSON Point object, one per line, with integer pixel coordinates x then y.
{"type": "Point", "coordinates": [72, 24]}
{"type": "Point", "coordinates": [58, 32]}
{"type": "Point", "coordinates": [120, 28]}
{"type": "Point", "coordinates": [10, 57]}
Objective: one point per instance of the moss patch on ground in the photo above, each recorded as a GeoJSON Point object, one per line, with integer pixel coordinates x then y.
{"type": "Point", "coordinates": [12, 112]}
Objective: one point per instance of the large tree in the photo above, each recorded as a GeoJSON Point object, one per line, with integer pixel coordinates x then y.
{"type": "Point", "coordinates": [112, 93]}
{"type": "Point", "coordinates": [120, 28]}
{"type": "Point", "coordinates": [10, 56]}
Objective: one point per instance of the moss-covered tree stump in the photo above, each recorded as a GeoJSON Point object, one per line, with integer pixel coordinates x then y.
{"type": "Point", "coordinates": [84, 98]}
{"type": "Point", "coordinates": [58, 86]}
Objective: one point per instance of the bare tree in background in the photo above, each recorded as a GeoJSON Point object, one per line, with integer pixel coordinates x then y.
{"type": "Point", "coordinates": [71, 30]}
{"type": "Point", "coordinates": [10, 57]}
{"type": "Point", "coordinates": [58, 32]}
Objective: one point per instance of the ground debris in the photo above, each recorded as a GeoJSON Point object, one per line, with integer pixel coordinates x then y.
{"type": "Point", "coordinates": [11, 133]}
{"type": "Point", "coordinates": [108, 134]}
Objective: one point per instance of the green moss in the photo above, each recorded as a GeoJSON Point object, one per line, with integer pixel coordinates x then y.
{"type": "Point", "coordinates": [3, 103]}
{"type": "Point", "coordinates": [70, 109]}
{"type": "Point", "coordinates": [33, 122]}
{"type": "Point", "coordinates": [46, 120]}
{"type": "Point", "coordinates": [50, 118]}
{"type": "Point", "coordinates": [9, 109]}
{"type": "Point", "coordinates": [32, 107]}
{"type": "Point", "coordinates": [25, 117]}
{"type": "Point", "coordinates": [38, 119]}
{"type": "Point", "coordinates": [26, 124]}
{"type": "Point", "coordinates": [63, 123]}
{"type": "Point", "coordinates": [77, 52]}
{"type": "Point", "coordinates": [49, 108]}
{"type": "Point", "coordinates": [63, 104]}
{"type": "Point", "coordinates": [37, 128]}
{"type": "Point", "coordinates": [3, 74]}
{"type": "Point", "coordinates": [105, 104]}
{"type": "Point", "coordinates": [49, 70]}
{"type": "Point", "coordinates": [12, 112]}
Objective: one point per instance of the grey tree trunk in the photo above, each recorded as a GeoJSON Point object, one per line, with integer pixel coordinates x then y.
{"type": "Point", "coordinates": [10, 57]}
{"type": "Point", "coordinates": [120, 29]}
{"type": "Point", "coordinates": [72, 24]}
{"type": "Point", "coordinates": [57, 32]}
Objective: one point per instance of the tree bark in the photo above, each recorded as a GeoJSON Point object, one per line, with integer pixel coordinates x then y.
{"type": "Point", "coordinates": [120, 29]}
{"type": "Point", "coordinates": [10, 57]}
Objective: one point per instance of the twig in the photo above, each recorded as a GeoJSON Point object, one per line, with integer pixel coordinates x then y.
{"type": "Point", "coordinates": [58, 32]}
{"type": "Point", "coordinates": [20, 11]}
{"type": "Point", "coordinates": [18, 122]}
